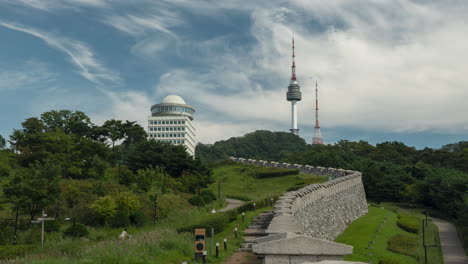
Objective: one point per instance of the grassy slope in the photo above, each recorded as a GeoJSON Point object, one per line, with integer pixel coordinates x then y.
{"type": "Point", "coordinates": [361, 232]}
{"type": "Point", "coordinates": [236, 181]}
{"type": "Point", "coordinates": [163, 244]}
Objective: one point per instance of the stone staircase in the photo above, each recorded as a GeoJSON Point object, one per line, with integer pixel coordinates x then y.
{"type": "Point", "coordinates": [256, 229]}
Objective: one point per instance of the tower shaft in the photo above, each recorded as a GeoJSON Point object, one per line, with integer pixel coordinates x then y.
{"type": "Point", "coordinates": [294, 128]}
{"type": "Point", "coordinates": [317, 139]}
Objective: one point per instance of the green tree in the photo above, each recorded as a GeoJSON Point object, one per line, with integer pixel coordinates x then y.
{"type": "Point", "coordinates": [133, 133]}
{"type": "Point", "coordinates": [2, 142]}
{"type": "Point", "coordinates": [34, 188]}
{"type": "Point", "coordinates": [114, 130]}
{"type": "Point", "coordinates": [105, 207]}
{"type": "Point", "coordinates": [70, 122]}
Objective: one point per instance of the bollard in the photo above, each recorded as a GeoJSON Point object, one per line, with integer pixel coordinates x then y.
{"type": "Point", "coordinates": [255, 207]}
{"type": "Point", "coordinates": [217, 249]}
{"type": "Point", "coordinates": [225, 244]}
{"type": "Point", "coordinates": [243, 216]}
{"type": "Point", "coordinates": [235, 232]}
{"type": "Point", "coordinates": [184, 262]}
{"type": "Point", "coordinates": [204, 257]}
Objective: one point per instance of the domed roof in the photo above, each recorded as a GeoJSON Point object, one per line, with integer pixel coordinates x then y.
{"type": "Point", "coordinates": [173, 99]}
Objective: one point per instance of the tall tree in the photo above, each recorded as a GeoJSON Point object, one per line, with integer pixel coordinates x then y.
{"type": "Point", "coordinates": [70, 122]}
{"type": "Point", "coordinates": [114, 130]}
{"type": "Point", "coordinates": [33, 188]}
{"type": "Point", "coordinates": [2, 142]}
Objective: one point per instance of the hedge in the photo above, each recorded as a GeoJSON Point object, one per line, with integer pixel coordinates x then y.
{"type": "Point", "coordinates": [13, 251]}
{"type": "Point", "coordinates": [80, 230]}
{"type": "Point", "coordinates": [403, 244]}
{"type": "Point", "coordinates": [266, 172]}
{"type": "Point", "coordinates": [409, 223]}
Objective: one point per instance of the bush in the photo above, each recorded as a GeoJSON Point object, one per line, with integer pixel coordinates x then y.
{"type": "Point", "coordinates": [121, 219]}
{"type": "Point", "coordinates": [138, 219]}
{"type": "Point", "coordinates": [208, 194]}
{"type": "Point", "coordinates": [218, 221]}
{"type": "Point", "coordinates": [238, 197]}
{"type": "Point", "coordinates": [267, 172]}
{"type": "Point", "coordinates": [403, 244]}
{"type": "Point", "coordinates": [196, 200]}
{"type": "Point", "coordinates": [10, 251]}
{"type": "Point", "coordinates": [388, 261]}
{"type": "Point", "coordinates": [409, 223]}
{"type": "Point", "coordinates": [51, 226]}
{"type": "Point", "coordinates": [79, 231]}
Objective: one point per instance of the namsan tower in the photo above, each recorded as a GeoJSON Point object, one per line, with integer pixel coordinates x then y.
{"type": "Point", "coordinates": [317, 139]}
{"type": "Point", "coordinates": [294, 94]}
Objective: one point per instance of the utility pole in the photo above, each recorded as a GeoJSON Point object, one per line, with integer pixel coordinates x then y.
{"type": "Point", "coordinates": [16, 226]}
{"type": "Point", "coordinates": [219, 189]}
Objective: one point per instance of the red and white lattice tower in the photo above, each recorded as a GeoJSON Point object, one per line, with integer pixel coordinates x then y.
{"type": "Point", "coordinates": [317, 139]}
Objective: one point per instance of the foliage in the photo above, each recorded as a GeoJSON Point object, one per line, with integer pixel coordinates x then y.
{"type": "Point", "coordinates": [403, 244]}
{"type": "Point", "coordinates": [78, 230]}
{"type": "Point", "coordinates": [105, 207]}
{"type": "Point", "coordinates": [33, 188]}
{"type": "Point", "coordinates": [266, 172]}
{"type": "Point", "coordinates": [51, 226]}
{"type": "Point", "coordinates": [260, 144]}
{"type": "Point", "coordinates": [10, 252]}
{"type": "Point", "coordinates": [388, 261]}
{"type": "Point", "coordinates": [218, 221]}
{"type": "Point", "coordinates": [2, 142]}
{"type": "Point", "coordinates": [409, 223]}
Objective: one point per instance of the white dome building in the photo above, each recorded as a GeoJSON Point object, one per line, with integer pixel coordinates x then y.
{"type": "Point", "coordinates": [171, 121]}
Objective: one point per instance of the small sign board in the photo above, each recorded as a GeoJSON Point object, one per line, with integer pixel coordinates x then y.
{"type": "Point", "coordinates": [36, 222]}
{"type": "Point", "coordinates": [46, 219]}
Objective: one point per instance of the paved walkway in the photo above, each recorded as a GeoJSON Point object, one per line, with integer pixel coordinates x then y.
{"type": "Point", "coordinates": [451, 245]}
{"type": "Point", "coordinates": [231, 204]}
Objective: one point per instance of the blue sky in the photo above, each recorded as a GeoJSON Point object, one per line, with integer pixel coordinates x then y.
{"type": "Point", "coordinates": [387, 70]}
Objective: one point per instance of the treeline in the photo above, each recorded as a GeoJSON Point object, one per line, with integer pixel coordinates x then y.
{"type": "Point", "coordinates": [392, 171]}
{"type": "Point", "coordinates": [98, 175]}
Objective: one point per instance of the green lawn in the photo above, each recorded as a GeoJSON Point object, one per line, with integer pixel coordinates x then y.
{"type": "Point", "coordinates": [362, 232]}
{"type": "Point", "coordinates": [237, 182]}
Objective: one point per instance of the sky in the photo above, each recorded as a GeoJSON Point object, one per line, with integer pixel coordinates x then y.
{"type": "Point", "coordinates": [394, 70]}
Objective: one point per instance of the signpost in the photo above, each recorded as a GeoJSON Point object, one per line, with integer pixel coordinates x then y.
{"type": "Point", "coordinates": [41, 221]}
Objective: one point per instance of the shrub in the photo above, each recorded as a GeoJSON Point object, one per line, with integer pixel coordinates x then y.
{"type": "Point", "coordinates": [51, 226]}
{"type": "Point", "coordinates": [408, 223]}
{"type": "Point", "coordinates": [388, 261]}
{"type": "Point", "coordinates": [218, 221]}
{"type": "Point", "coordinates": [10, 251]}
{"type": "Point", "coordinates": [267, 172]}
{"type": "Point", "coordinates": [403, 244]}
{"type": "Point", "coordinates": [196, 200]}
{"type": "Point", "coordinates": [121, 219]}
{"type": "Point", "coordinates": [138, 219]}
{"type": "Point", "coordinates": [238, 197]}
{"type": "Point", "coordinates": [208, 194]}
{"type": "Point", "coordinates": [79, 231]}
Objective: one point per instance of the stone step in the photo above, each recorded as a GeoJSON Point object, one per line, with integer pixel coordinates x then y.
{"type": "Point", "coordinates": [255, 232]}
{"type": "Point", "coordinates": [243, 258]}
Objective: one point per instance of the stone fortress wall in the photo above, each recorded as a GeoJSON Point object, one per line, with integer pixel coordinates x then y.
{"type": "Point", "coordinates": [321, 210]}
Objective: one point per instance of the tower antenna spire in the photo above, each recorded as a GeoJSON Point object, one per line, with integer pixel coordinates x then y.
{"type": "Point", "coordinates": [293, 67]}
{"type": "Point", "coordinates": [317, 139]}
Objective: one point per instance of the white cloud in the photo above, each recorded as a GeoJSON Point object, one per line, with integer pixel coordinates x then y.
{"type": "Point", "coordinates": [394, 66]}
{"type": "Point", "coordinates": [79, 53]}
{"type": "Point", "coordinates": [49, 5]}
{"type": "Point", "coordinates": [26, 76]}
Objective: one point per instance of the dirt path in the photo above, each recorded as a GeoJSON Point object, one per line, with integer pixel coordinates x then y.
{"type": "Point", "coordinates": [231, 204]}
{"type": "Point", "coordinates": [451, 245]}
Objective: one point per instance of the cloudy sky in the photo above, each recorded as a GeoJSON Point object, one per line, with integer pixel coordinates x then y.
{"type": "Point", "coordinates": [387, 70]}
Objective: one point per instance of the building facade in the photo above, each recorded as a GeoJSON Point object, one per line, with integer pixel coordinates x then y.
{"type": "Point", "coordinates": [171, 121]}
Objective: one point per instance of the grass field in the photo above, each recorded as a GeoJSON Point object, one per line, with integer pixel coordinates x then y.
{"type": "Point", "coordinates": [236, 181]}
{"type": "Point", "coordinates": [364, 230]}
